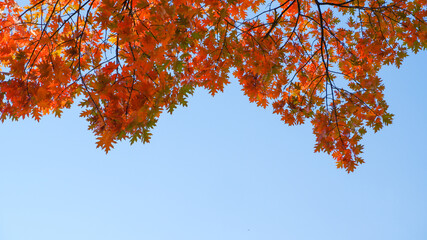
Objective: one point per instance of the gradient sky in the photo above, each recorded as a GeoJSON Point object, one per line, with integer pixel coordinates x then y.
{"type": "Point", "coordinates": [220, 169]}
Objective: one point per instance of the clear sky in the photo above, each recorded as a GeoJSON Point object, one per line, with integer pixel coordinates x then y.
{"type": "Point", "coordinates": [221, 169]}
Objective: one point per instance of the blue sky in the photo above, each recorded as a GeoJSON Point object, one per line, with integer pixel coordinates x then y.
{"type": "Point", "coordinates": [220, 169]}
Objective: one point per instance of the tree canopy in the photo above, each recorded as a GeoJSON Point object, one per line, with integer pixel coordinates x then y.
{"type": "Point", "coordinates": [127, 61]}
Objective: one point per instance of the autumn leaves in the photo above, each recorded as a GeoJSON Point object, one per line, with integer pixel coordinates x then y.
{"type": "Point", "coordinates": [130, 60]}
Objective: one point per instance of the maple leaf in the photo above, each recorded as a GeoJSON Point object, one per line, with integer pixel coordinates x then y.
{"type": "Point", "coordinates": [130, 60]}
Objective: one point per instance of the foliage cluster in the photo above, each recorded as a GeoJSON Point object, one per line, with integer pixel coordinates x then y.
{"type": "Point", "coordinates": [130, 60]}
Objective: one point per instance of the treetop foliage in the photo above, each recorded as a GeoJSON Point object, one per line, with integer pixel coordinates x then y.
{"type": "Point", "coordinates": [130, 60]}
